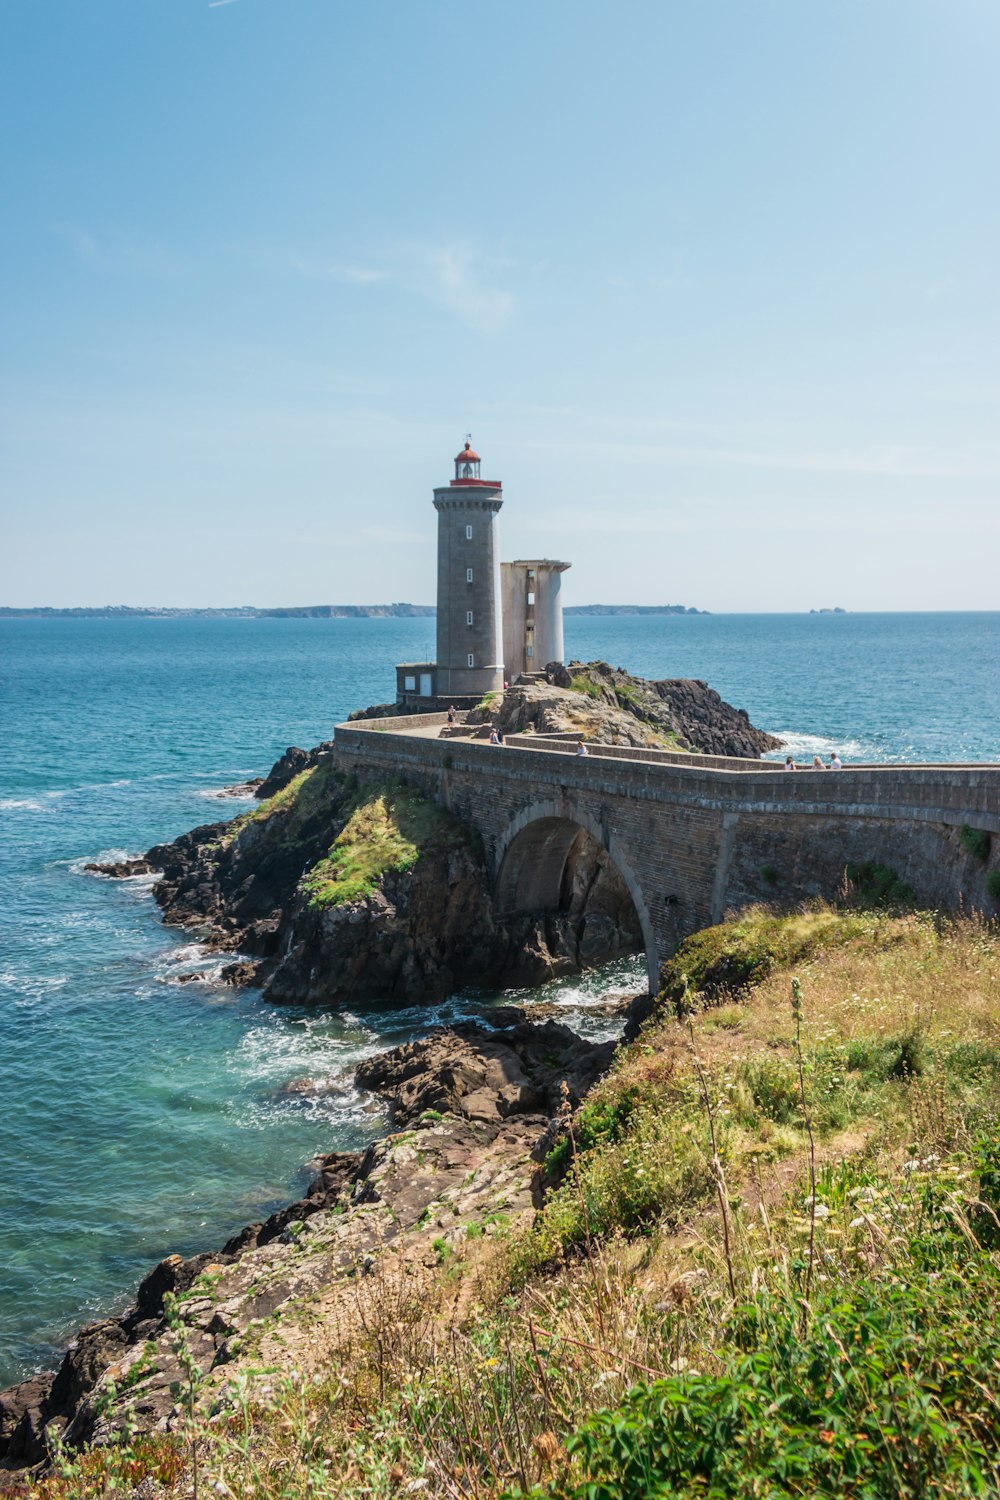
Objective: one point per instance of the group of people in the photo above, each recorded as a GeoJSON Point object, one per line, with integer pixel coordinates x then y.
{"type": "Point", "coordinates": [836, 764]}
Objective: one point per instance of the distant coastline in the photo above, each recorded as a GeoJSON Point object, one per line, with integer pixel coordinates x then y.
{"type": "Point", "coordinates": [303, 612]}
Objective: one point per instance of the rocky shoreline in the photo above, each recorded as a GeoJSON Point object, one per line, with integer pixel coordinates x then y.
{"type": "Point", "coordinates": [473, 1111]}
{"type": "Point", "coordinates": [334, 893]}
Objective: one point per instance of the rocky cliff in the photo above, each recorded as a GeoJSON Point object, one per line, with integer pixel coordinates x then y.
{"type": "Point", "coordinates": [341, 893]}
{"type": "Point", "coordinates": [609, 706]}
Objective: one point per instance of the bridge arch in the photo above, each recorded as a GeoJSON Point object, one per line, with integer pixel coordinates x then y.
{"type": "Point", "coordinates": [530, 859]}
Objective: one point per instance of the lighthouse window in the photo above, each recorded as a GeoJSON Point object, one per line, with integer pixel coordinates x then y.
{"type": "Point", "coordinates": [409, 684]}
{"type": "Point", "coordinates": [472, 660]}
{"type": "Point", "coordinates": [529, 652]}
{"type": "Point", "coordinates": [531, 572]}
{"type": "Point", "coordinates": [531, 596]}
{"type": "Point", "coordinates": [468, 575]}
{"type": "Point", "coordinates": [468, 533]}
{"type": "Point", "coordinates": [468, 617]}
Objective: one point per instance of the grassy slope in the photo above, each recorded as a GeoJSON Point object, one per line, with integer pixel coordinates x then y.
{"type": "Point", "coordinates": [380, 830]}
{"type": "Point", "coordinates": [386, 831]}
{"type": "Point", "coordinates": [710, 1303]}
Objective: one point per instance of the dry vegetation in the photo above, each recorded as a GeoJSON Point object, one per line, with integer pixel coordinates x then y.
{"type": "Point", "coordinates": [767, 1265]}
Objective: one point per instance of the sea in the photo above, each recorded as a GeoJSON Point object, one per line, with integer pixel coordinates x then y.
{"type": "Point", "coordinates": [144, 1115]}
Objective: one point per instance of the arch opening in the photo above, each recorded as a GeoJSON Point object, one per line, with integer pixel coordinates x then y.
{"type": "Point", "coordinates": [563, 898]}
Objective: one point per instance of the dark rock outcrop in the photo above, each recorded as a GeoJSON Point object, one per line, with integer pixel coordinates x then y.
{"type": "Point", "coordinates": [122, 869]}
{"type": "Point", "coordinates": [609, 706]}
{"type": "Point", "coordinates": [288, 766]}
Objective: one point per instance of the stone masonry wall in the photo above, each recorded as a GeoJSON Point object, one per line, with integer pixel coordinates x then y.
{"type": "Point", "coordinates": [692, 841]}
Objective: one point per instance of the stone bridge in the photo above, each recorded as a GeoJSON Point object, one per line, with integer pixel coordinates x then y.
{"type": "Point", "coordinates": [692, 836]}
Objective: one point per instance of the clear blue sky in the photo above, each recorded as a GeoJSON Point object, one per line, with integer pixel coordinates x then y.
{"type": "Point", "coordinates": [713, 285]}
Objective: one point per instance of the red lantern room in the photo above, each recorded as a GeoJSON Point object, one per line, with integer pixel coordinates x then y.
{"type": "Point", "coordinates": [467, 463]}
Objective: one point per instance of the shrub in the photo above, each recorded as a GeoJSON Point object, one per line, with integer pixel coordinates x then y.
{"type": "Point", "coordinates": [879, 1394]}
{"type": "Point", "coordinates": [975, 841]}
{"type": "Point", "coordinates": [769, 874]}
{"type": "Point", "coordinates": [873, 884]}
{"type": "Point", "coordinates": [581, 684]}
{"type": "Point", "coordinates": [993, 884]}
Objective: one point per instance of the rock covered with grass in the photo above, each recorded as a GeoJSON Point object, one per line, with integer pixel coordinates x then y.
{"type": "Point", "coordinates": [610, 706]}
{"type": "Point", "coordinates": [348, 892]}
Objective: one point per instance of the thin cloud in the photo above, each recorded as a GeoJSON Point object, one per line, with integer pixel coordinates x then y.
{"type": "Point", "coordinates": [457, 277]}
{"type": "Point", "coordinates": [214, 4]}
{"type": "Point", "coordinates": [334, 270]}
{"type": "Point", "coordinates": [116, 253]}
{"type": "Point", "coordinates": [895, 461]}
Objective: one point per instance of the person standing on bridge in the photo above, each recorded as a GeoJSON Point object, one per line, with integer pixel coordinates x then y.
{"type": "Point", "coordinates": [836, 764]}
{"type": "Point", "coordinates": [581, 749]}
{"type": "Point", "coordinates": [817, 764]}
{"type": "Point", "coordinates": [790, 764]}
{"type": "Point", "coordinates": [494, 737]}
{"type": "Point", "coordinates": [451, 714]}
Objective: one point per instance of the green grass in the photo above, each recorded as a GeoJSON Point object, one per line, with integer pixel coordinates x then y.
{"type": "Point", "coordinates": [721, 962]}
{"type": "Point", "coordinates": [303, 797]}
{"type": "Point", "coordinates": [387, 830]}
{"type": "Point", "coordinates": [583, 684]}
{"type": "Point", "coordinates": [878, 1392]}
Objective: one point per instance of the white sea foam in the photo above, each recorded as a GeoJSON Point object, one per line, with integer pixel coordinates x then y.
{"type": "Point", "coordinates": [178, 964]}
{"type": "Point", "coordinates": [27, 804]}
{"type": "Point", "coordinates": [225, 794]}
{"type": "Point", "coordinates": [795, 743]}
{"type": "Point", "coordinates": [109, 857]}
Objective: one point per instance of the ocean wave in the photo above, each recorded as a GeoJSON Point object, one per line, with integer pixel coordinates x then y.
{"type": "Point", "coordinates": [191, 963]}
{"type": "Point", "coordinates": [28, 804]}
{"type": "Point", "coordinates": [31, 987]}
{"type": "Point", "coordinates": [108, 857]}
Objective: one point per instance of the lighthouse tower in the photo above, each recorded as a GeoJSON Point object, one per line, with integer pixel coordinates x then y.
{"type": "Point", "coordinates": [469, 630]}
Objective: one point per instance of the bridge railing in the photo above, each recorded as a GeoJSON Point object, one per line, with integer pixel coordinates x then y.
{"type": "Point", "coordinates": [922, 793]}
{"type": "Point", "coordinates": [565, 744]}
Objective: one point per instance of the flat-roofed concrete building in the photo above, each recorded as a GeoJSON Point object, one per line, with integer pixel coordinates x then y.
{"type": "Point", "coordinates": [494, 621]}
{"type": "Point", "coordinates": [531, 597]}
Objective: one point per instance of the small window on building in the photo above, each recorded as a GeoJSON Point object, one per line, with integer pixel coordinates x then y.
{"type": "Point", "coordinates": [472, 660]}
{"type": "Point", "coordinates": [529, 652]}
{"type": "Point", "coordinates": [409, 684]}
{"type": "Point", "coordinates": [468, 617]}
{"type": "Point", "coordinates": [468, 533]}
{"type": "Point", "coordinates": [531, 597]}
{"type": "Point", "coordinates": [531, 572]}
{"type": "Point", "coordinates": [468, 575]}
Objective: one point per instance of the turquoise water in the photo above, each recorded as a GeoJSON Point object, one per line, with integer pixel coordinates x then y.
{"type": "Point", "coordinates": [144, 1115]}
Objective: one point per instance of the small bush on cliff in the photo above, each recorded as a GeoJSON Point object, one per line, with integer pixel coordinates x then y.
{"type": "Point", "coordinates": [387, 830]}
{"type": "Point", "coordinates": [583, 684]}
{"type": "Point", "coordinates": [872, 884]}
{"type": "Point", "coordinates": [993, 885]}
{"type": "Point", "coordinates": [975, 841]}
